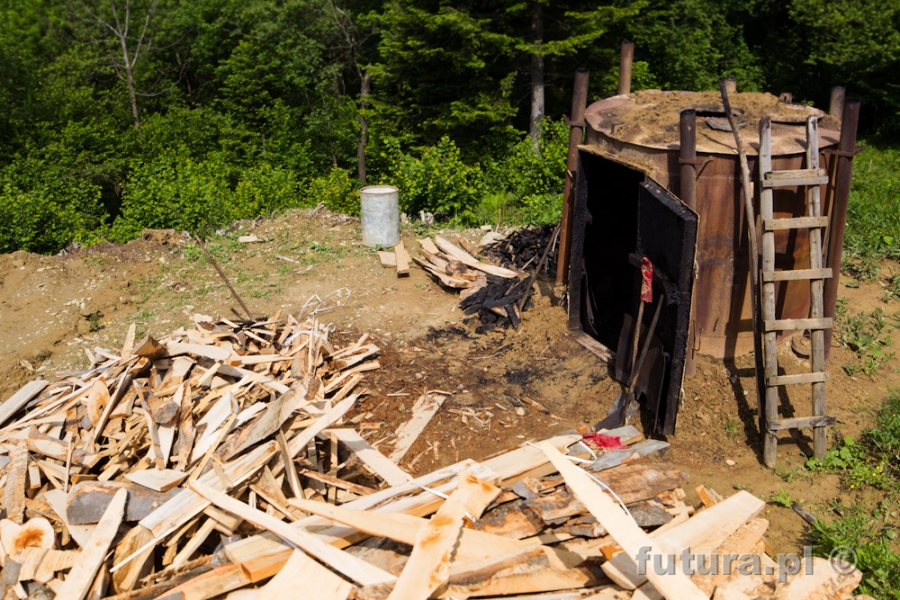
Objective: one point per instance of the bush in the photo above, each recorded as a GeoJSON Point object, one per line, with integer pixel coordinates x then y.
{"type": "Point", "coordinates": [263, 189]}
{"type": "Point", "coordinates": [175, 191]}
{"type": "Point", "coordinates": [338, 192]}
{"type": "Point", "coordinates": [438, 181]}
{"type": "Point", "coordinates": [44, 213]}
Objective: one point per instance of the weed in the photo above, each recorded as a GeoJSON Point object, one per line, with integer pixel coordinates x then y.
{"type": "Point", "coordinates": [862, 268]}
{"type": "Point", "coordinates": [867, 335]}
{"type": "Point", "coordinates": [782, 498]}
{"type": "Point", "coordinates": [871, 542]}
{"type": "Point", "coordinates": [94, 320]}
{"type": "Point", "coordinates": [422, 286]}
{"type": "Point", "coordinates": [787, 475]}
{"type": "Point", "coordinates": [732, 429]}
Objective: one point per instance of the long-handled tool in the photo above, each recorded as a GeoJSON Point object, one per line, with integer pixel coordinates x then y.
{"type": "Point", "coordinates": [625, 406]}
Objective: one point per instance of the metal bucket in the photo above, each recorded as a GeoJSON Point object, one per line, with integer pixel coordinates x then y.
{"type": "Point", "coordinates": [380, 213]}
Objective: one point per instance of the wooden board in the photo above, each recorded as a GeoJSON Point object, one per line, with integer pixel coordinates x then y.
{"type": "Point", "coordinates": [12, 404]}
{"type": "Point", "coordinates": [621, 528]}
{"type": "Point", "coordinates": [352, 567]}
{"type": "Point", "coordinates": [156, 479]}
{"type": "Point", "coordinates": [469, 260]}
{"type": "Point", "coordinates": [402, 259]}
{"type": "Point", "coordinates": [58, 502]}
{"type": "Point", "coordinates": [429, 564]}
{"type": "Point", "coordinates": [429, 246]}
{"type": "Point", "coordinates": [407, 433]}
{"type": "Point", "coordinates": [81, 576]}
{"type": "Point", "coordinates": [379, 464]}
{"type": "Point", "coordinates": [388, 259]}
{"type": "Point", "coordinates": [301, 572]}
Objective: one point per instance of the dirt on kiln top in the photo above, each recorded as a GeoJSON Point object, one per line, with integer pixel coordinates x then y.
{"type": "Point", "coordinates": [651, 118]}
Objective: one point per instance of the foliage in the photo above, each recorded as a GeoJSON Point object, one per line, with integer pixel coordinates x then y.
{"type": "Point", "coordinates": [867, 335]}
{"type": "Point", "coordinates": [338, 192]}
{"type": "Point", "coordinates": [873, 215]}
{"type": "Point", "coordinates": [437, 181]}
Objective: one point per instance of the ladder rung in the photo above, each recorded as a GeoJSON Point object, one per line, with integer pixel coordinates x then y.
{"type": "Point", "coordinates": [795, 223]}
{"type": "Point", "coordinates": [794, 178]}
{"type": "Point", "coordinates": [783, 324]}
{"type": "Point", "coordinates": [817, 377]}
{"type": "Point", "coordinates": [798, 274]}
{"type": "Point", "coordinates": [801, 423]}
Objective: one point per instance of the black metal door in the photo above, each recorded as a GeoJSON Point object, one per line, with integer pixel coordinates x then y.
{"type": "Point", "coordinates": [667, 235]}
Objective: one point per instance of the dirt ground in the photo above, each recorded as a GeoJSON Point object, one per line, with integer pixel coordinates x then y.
{"type": "Point", "coordinates": [53, 309]}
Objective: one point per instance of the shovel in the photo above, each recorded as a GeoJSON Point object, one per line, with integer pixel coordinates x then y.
{"type": "Point", "coordinates": [625, 406]}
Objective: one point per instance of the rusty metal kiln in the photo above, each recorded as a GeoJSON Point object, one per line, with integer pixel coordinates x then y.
{"type": "Point", "coordinates": [632, 198]}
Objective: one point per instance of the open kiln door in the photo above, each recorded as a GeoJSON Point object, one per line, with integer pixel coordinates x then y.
{"type": "Point", "coordinates": [667, 235]}
{"type": "Point", "coordinates": [620, 215]}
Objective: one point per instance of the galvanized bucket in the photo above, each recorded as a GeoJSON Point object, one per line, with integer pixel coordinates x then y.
{"type": "Point", "coordinates": [380, 213]}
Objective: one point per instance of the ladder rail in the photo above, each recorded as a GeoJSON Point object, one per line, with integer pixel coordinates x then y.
{"type": "Point", "coordinates": [816, 291]}
{"type": "Point", "coordinates": [770, 337]}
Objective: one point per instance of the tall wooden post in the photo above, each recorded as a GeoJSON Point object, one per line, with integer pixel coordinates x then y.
{"type": "Point", "coordinates": [576, 133]}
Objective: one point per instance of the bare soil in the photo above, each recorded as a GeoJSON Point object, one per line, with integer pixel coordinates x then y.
{"type": "Point", "coordinates": [54, 308]}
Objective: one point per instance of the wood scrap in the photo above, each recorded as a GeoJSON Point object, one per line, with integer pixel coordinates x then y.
{"type": "Point", "coordinates": [422, 412]}
{"type": "Point", "coordinates": [402, 259]}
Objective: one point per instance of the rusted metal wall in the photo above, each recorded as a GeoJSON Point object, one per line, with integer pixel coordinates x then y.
{"type": "Point", "coordinates": [721, 315]}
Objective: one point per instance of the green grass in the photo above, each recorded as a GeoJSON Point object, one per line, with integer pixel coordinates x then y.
{"type": "Point", "coordinates": [870, 471]}
{"type": "Point", "coordinates": [873, 215]}
{"type": "Point", "coordinates": [867, 335]}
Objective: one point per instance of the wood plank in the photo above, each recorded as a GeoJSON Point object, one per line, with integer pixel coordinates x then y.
{"type": "Point", "coordinates": [377, 462]}
{"type": "Point", "coordinates": [825, 583]}
{"type": "Point", "coordinates": [429, 564]}
{"type": "Point", "coordinates": [794, 181]}
{"type": "Point", "coordinates": [474, 545]}
{"type": "Point", "coordinates": [57, 499]}
{"type": "Point", "coordinates": [402, 259]}
{"type": "Point", "coordinates": [88, 500]}
{"type": "Point", "coordinates": [469, 260]}
{"type": "Point", "coordinates": [357, 570]}
{"type": "Point", "coordinates": [337, 482]}
{"type": "Point", "coordinates": [598, 349]}
{"type": "Point", "coordinates": [801, 378]}
{"type": "Point", "coordinates": [82, 574]}
{"type": "Point", "coordinates": [715, 523]}
{"type": "Point", "coordinates": [187, 504]}
{"type": "Point", "coordinates": [407, 433]}
{"type": "Point", "coordinates": [301, 572]}
{"type": "Point", "coordinates": [139, 541]}
{"type": "Point", "coordinates": [388, 259]}
{"type": "Point", "coordinates": [621, 528]}
{"type": "Point", "coordinates": [798, 274]}
{"type": "Point", "coordinates": [793, 174]}
{"type": "Point", "coordinates": [213, 583]}
{"type": "Point", "coordinates": [299, 442]}
{"type": "Point", "coordinates": [784, 324]}
{"type": "Point", "coordinates": [15, 402]}
{"type": "Point", "coordinates": [741, 542]}
{"type": "Point", "coordinates": [277, 412]}
{"type": "Point", "coordinates": [214, 352]}
{"type": "Point", "coordinates": [795, 223]}
{"type": "Point", "coordinates": [155, 479]}
{"type": "Point", "coordinates": [801, 423]}
{"type": "Point", "coordinates": [16, 479]}
{"type": "Point", "coordinates": [429, 246]}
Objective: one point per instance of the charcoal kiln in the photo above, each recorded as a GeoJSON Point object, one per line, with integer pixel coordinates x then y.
{"type": "Point", "coordinates": [630, 202]}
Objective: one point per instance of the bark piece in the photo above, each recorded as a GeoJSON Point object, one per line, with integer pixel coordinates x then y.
{"type": "Point", "coordinates": [88, 501]}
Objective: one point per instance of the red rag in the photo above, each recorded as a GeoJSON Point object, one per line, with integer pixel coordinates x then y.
{"type": "Point", "coordinates": [609, 442]}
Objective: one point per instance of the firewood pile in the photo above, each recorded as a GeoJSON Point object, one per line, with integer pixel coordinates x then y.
{"type": "Point", "coordinates": [212, 463]}
{"type": "Point", "coordinates": [522, 249]}
{"type": "Point", "coordinates": [496, 296]}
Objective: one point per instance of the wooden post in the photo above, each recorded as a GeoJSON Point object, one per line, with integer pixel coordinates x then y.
{"type": "Point", "coordinates": [838, 217]}
{"type": "Point", "coordinates": [625, 60]}
{"type": "Point", "coordinates": [576, 133]}
{"type": "Point", "coordinates": [687, 158]}
{"type": "Point", "coordinates": [836, 107]}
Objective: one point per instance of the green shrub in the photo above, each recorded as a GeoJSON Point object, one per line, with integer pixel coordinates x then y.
{"type": "Point", "coordinates": [338, 192]}
{"type": "Point", "coordinates": [438, 181]}
{"type": "Point", "coordinates": [263, 189]}
{"type": "Point", "coordinates": [43, 211]}
{"type": "Point", "coordinates": [175, 191]}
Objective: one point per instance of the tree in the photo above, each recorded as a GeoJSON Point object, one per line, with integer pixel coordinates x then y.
{"type": "Point", "coordinates": [121, 21]}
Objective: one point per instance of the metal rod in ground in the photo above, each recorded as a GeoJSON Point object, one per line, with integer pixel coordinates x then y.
{"type": "Point", "coordinates": [225, 279]}
{"type": "Point", "coordinates": [753, 259]}
{"type": "Point", "coordinates": [537, 269]}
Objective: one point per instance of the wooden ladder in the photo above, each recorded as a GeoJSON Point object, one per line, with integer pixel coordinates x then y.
{"type": "Point", "coordinates": [811, 177]}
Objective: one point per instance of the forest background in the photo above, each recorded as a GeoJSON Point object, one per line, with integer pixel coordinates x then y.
{"type": "Point", "coordinates": [116, 115]}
